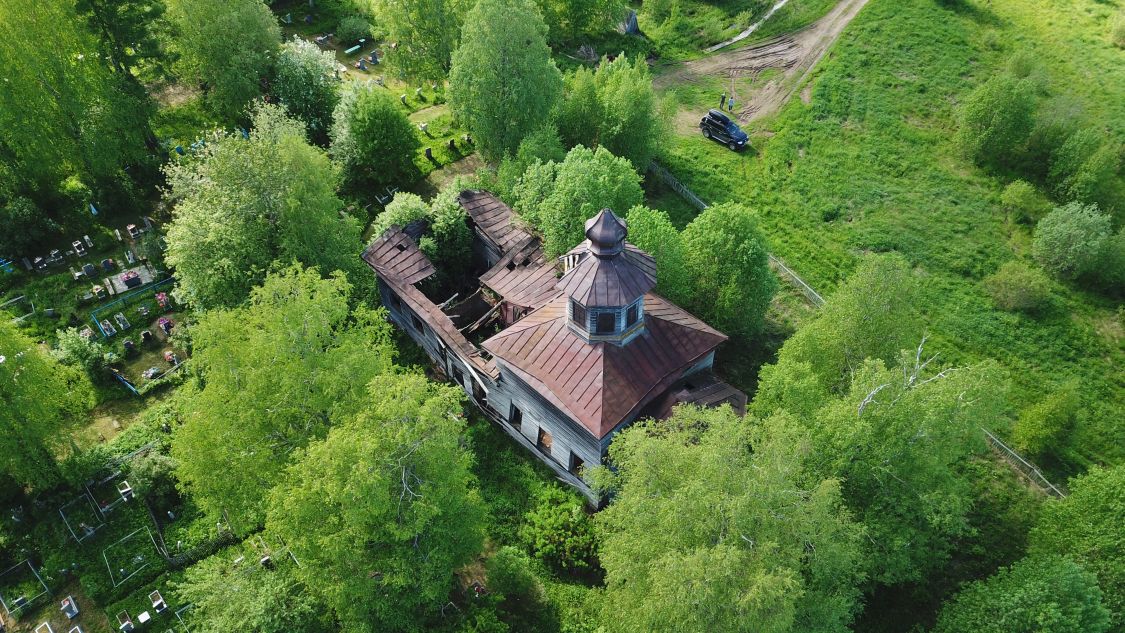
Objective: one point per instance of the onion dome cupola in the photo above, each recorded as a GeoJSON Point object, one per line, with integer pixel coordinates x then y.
{"type": "Point", "coordinates": [606, 282]}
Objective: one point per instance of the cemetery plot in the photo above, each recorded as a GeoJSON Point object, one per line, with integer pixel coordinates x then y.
{"type": "Point", "coordinates": [20, 588]}
{"type": "Point", "coordinates": [130, 555]}
{"type": "Point", "coordinates": [81, 517]}
{"type": "Point", "coordinates": [147, 353]}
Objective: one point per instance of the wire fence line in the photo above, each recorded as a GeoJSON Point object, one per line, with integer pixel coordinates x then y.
{"type": "Point", "coordinates": [1014, 459]}
{"type": "Point", "coordinates": [1029, 470]}
{"type": "Point", "coordinates": [687, 194]}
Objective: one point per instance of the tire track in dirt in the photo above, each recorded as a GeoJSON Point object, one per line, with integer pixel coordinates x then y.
{"type": "Point", "coordinates": [795, 55]}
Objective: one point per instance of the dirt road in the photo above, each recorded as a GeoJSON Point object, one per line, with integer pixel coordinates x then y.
{"type": "Point", "coordinates": [794, 55]}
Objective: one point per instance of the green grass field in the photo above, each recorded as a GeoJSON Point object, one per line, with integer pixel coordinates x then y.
{"type": "Point", "coordinates": [686, 27]}
{"type": "Point", "coordinates": [868, 165]}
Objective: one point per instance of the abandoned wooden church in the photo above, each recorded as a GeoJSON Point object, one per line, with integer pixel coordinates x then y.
{"type": "Point", "coordinates": [562, 355]}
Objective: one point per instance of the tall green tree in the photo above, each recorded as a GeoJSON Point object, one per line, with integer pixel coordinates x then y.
{"type": "Point", "coordinates": [383, 511]}
{"type": "Point", "coordinates": [372, 138]}
{"type": "Point", "coordinates": [427, 33]}
{"type": "Point", "coordinates": [63, 110]}
{"type": "Point", "coordinates": [614, 107]}
{"type": "Point", "coordinates": [558, 198]}
{"type": "Point", "coordinates": [568, 20]}
{"type": "Point", "coordinates": [1086, 527]}
{"type": "Point", "coordinates": [306, 85]}
{"type": "Point", "coordinates": [274, 375]}
{"type": "Point", "coordinates": [871, 316]}
{"type": "Point", "coordinates": [226, 596]}
{"type": "Point", "coordinates": [128, 30]}
{"type": "Point", "coordinates": [715, 527]}
{"type": "Point", "coordinates": [732, 283]}
{"type": "Point", "coordinates": [503, 83]}
{"type": "Point", "coordinates": [229, 46]}
{"type": "Point", "coordinates": [897, 439]}
{"type": "Point", "coordinates": [38, 399]}
{"type": "Point", "coordinates": [1035, 595]}
{"type": "Point", "coordinates": [243, 204]}
{"type": "Point", "coordinates": [654, 233]}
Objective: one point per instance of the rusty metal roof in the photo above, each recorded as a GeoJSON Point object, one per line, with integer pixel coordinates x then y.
{"type": "Point", "coordinates": [493, 218]}
{"type": "Point", "coordinates": [602, 384]}
{"type": "Point", "coordinates": [609, 271]}
{"type": "Point", "coordinates": [523, 277]}
{"type": "Point", "coordinates": [396, 255]}
{"type": "Point", "coordinates": [615, 281]}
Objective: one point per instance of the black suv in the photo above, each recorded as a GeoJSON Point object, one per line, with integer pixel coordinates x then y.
{"type": "Point", "coordinates": [719, 127]}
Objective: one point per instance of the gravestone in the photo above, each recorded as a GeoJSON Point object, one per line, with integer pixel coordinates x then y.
{"type": "Point", "coordinates": [117, 232]}
{"type": "Point", "coordinates": [27, 263]}
{"type": "Point", "coordinates": [89, 242]}
{"type": "Point", "coordinates": [631, 27]}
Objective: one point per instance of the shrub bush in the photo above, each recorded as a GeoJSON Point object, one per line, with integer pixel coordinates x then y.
{"type": "Point", "coordinates": [1069, 242]}
{"type": "Point", "coordinates": [78, 351]}
{"type": "Point", "coordinates": [1017, 287]}
{"type": "Point", "coordinates": [1117, 30]}
{"type": "Point", "coordinates": [996, 120]}
{"type": "Point", "coordinates": [559, 532]}
{"type": "Point", "coordinates": [1042, 426]}
{"type": "Point", "coordinates": [1083, 167]}
{"type": "Point", "coordinates": [1023, 202]}
{"type": "Point", "coordinates": [353, 28]}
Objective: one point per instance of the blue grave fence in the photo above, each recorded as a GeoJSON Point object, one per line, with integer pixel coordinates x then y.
{"type": "Point", "coordinates": [125, 301]}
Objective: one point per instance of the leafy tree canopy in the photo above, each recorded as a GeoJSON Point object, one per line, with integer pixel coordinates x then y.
{"type": "Point", "coordinates": [503, 83]}
{"type": "Point", "coordinates": [614, 107]}
{"type": "Point", "coordinates": [373, 139]}
{"type": "Point", "coordinates": [229, 46]}
{"type": "Point", "coordinates": [654, 233]}
{"type": "Point", "coordinates": [243, 204]}
{"type": "Point", "coordinates": [307, 86]}
{"type": "Point", "coordinates": [1086, 527]}
{"type": "Point", "coordinates": [897, 439]}
{"type": "Point", "coordinates": [62, 110]}
{"type": "Point", "coordinates": [731, 279]}
{"type": "Point", "coordinates": [871, 316]}
{"type": "Point", "coordinates": [568, 20]}
{"type": "Point", "coordinates": [274, 375]}
{"type": "Point", "coordinates": [38, 399]}
{"type": "Point", "coordinates": [714, 527]}
{"type": "Point", "coordinates": [427, 32]}
{"type": "Point", "coordinates": [246, 597]}
{"type": "Point", "coordinates": [558, 198]}
{"type": "Point", "coordinates": [1040, 595]}
{"type": "Point", "coordinates": [383, 511]}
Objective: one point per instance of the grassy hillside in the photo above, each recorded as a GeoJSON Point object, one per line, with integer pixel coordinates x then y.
{"type": "Point", "coordinates": [681, 29]}
{"type": "Point", "coordinates": [864, 162]}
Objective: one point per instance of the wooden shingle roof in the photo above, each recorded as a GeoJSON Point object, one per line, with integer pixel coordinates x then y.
{"type": "Point", "coordinates": [703, 389]}
{"type": "Point", "coordinates": [395, 254]}
{"type": "Point", "coordinates": [397, 261]}
{"type": "Point", "coordinates": [523, 277]}
{"type": "Point", "coordinates": [493, 218]}
{"type": "Point", "coordinates": [602, 384]}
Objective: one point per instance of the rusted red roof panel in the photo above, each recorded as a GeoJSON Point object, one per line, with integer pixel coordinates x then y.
{"type": "Point", "coordinates": [602, 384]}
